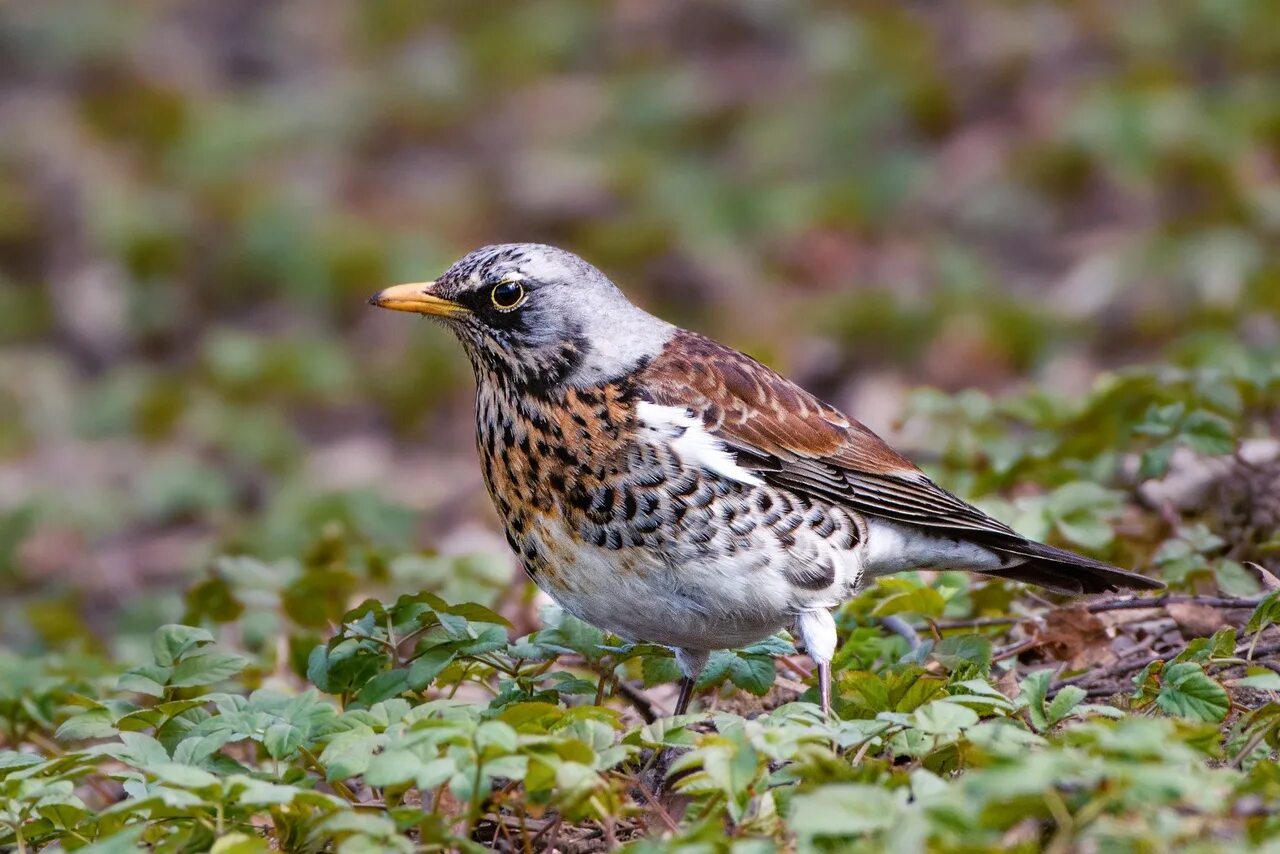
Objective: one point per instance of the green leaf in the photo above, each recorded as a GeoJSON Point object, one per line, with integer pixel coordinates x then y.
{"type": "Point", "coordinates": [1155, 461]}
{"type": "Point", "coordinates": [315, 598]}
{"type": "Point", "coordinates": [941, 717]}
{"type": "Point", "coordinates": [1233, 579]}
{"type": "Point", "coordinates": [1033, 691]}
{"type": "Point", "coordinates": [496, 735]}
{"type": "Point", "coordinates": [1161, 420]}
{"type": "Point", "coordinates": [95, 723]}
{"type": "Point", "coordinates": [847, 809]}
{"type": "Point", "coordinates": [664, 732]}
{"type": "Point", "coordinates": [206, 669]}
{"type": "Point", "coordinates": [393, 768]}
{"type": "Point", "coordinates": [912, 687]}
{"type": "Point", "coordinates": [1201, 650]}
{"type": "Point", "coordinates": [384, 686]}
{"type": "Point", "coordinates": [1080, 511]}
{"type": "Point", "coordinates": [475, 613]}
{"type": "Point", "coordinates": [1004, 736]}
{"type": "Point", "coordinates": [282, 740]}
{"type": "Point", "coordinates": [137, 749]}
{"type": "Point", "coordinates": [1266, 614]}
{"type": "Point", "coordinates": [14, 759]}
{"type": "Point", "coordinates": [436, 771]}
{"type": "Point", "coordinates": [658, 670]}
{"type": "Point", "coordinates": [1268, 681]}
{"type": "Point", "coordinates": [486, 639]}
{"type": "Point", "coordinates": [569, 634]}
{"type": "Point", "coordinates": [171, 642]}
{"type": "Point", "coordinates": [149, 679]}
{"type": "Point", "coordinates": [919, 599]}
{"type": "Point", "coordinates": [240, 843]}
{"type": "Point", "coordinates": [959, 651]}
{"type": "Point", "coordinates": [754, 673]}
{"type": "Point", "coordinates": [183, 776]}
{"type": "Point", "coordinates": [123, 842]}
{"type": "Point", "coordinates": [348, 754]}
{"type": "Point", "coordinates": [1208, 433]}
{"type": "Point", "coordinates": [1187, 691]}
{"type": "Point", "coordinates": [576, 781]}
{"type": "Point", "coordinates": [263, 793]}
{"type": "Point", "coordinates": [426, 667]}
{"type": "Point", "coordinates": [1064, 703]}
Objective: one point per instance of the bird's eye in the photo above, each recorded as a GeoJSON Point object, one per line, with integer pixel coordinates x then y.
{"type": "Point", "coordinates": [507, 295]}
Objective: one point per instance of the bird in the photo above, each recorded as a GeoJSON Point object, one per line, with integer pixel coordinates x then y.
{"type": "Point", "coordinates": [671, 490]}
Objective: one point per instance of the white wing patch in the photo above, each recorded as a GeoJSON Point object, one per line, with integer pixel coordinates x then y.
{"type": "Point", "coordinates": [692, 442]}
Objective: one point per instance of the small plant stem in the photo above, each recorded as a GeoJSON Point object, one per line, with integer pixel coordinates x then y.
{"type": "Point", "coordinates": [902, 629]}
{"type": "Point", "coordinates": [1249, 747]}
{"type": "Point", "coordinates": [473, 815]}
{"type": "Point", "coordinates": [657, 806]}
{"type": "Point", "coordinates": [338, 785]}
{"type": "Point", "coordinates": [48, 746]}
{"type": "Point", "coordinates": [497, 665]}
{"type": "Point", "coordinates": [413, 635]}
{"type": "Point", "coordinates": [976, 623]}
{"type": "Point", "coordinates": [1015, 649]}
{"type": "Point", "coordinates": [1173, 599]}
{"type": "Point", "coordinates": [637, 699]}
{"type": "Point", "coordinates": [604, 680]}
{"type": "Point", "coordinates": [466, 670]}
{"type": "Point", "coordinates": [525, 844]}
{"type": "Point", "coordinates": [1062, 817]}
{"type": "Point", "coordinates": [862, 751]}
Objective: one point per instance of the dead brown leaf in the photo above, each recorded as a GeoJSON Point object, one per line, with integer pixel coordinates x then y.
{"type": "Point", "coordinates": [1077, 637]}
{"type": "Point", "coordinates": [1195, 620]}
{"type": "Point", "coordinates": [1265, 576]}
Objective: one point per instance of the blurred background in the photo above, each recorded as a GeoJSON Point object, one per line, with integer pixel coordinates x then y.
{"type": "Point", "coordinates": [873, 197]}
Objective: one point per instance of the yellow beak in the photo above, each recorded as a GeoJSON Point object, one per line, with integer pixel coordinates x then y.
{"type": "Point", "coordinates": [417, 297]}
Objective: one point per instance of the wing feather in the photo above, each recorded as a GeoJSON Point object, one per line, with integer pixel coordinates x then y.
{"type": "Point", "coordinates": [800, 443]}
{"type": "Point", "coordinates": [795, 441]}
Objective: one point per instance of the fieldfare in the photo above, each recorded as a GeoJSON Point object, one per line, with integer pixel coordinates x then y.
{"type": "Point", "coordinates": [671, 490]}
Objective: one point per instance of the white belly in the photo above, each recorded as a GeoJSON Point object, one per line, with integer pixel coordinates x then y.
{"type": "Point", "coordinates": [700, 603]}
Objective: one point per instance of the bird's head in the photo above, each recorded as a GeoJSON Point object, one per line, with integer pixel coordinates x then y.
{"type": "Point", "coordinates": [535, 316]}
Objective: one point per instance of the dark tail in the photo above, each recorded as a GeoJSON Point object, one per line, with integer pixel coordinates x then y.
{"type": "Point", "coordinates": [1066, 572]}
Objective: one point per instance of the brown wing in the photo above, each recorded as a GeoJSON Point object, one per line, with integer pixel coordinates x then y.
{"type": "Point", "coordinates": [796, 441]}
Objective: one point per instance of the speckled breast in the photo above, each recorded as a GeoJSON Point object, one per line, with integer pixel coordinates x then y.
{"type": "Point", "coordinates": [625, 534]}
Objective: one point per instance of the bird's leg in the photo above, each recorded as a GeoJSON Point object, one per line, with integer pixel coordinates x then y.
{"type": "Point", "coordinates": [824, 686]}
{"type": "Point", "coordinates": [818, 631]}
{"type": "Point", "coordinates": [686, 694]}
{"type": "Point", "coordinates": [690, 663]}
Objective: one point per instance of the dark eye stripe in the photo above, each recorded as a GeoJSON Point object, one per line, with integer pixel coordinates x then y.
{"type": "Point", "coordinates": [507, 295]}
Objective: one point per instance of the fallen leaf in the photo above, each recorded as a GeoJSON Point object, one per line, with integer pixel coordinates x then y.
{"type": "Point", "coordinates": [1265, 577]}
{"type": "Point", "coordinates": [1008, 685]}
{"type": "Point", "coordinates": [1195, 620]}
{"type": "Point", "coordinates": [1077, 637]}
